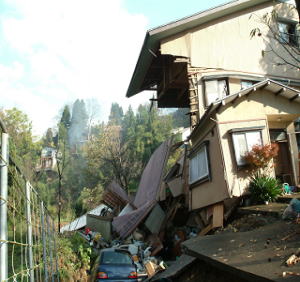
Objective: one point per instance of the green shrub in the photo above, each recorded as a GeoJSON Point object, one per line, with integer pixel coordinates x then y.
{"type": "Point", "coordinates": [264, 188]}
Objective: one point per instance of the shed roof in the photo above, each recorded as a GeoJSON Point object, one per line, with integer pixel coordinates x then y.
{"type": "Point", "coordinates": [154, 36]}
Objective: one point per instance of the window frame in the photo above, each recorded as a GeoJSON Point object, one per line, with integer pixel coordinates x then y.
{"type": "Point", "coordinates": [244, 131]}
{"type": "Point", "coordinates": [292, 38]}
{"type": "Point", "coordinates": [205, 88]}
{"type": "Point", "coordinates": [247, 81]}
{"type": "Point", "coordinates": [192, 155]}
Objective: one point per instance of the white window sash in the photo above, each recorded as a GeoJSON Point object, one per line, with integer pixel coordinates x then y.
{"type": "Point", "coordinates": [243, 142]}
{"type": "Point", "coordinates": [198, 168]}
{"type": "Point", "coordinates": [215, 90]}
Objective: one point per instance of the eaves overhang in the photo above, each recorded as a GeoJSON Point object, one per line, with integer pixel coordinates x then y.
{"type": "Point", "coordinates": [275, 87]}
{"type": "Point", "coordinates": [154, 36]}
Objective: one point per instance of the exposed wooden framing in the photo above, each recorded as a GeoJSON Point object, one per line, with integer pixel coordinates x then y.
{"type": "Point", "coordinates": [295, 97]}
{"type": "Point", "coordinates": [252, 90]}
{"type": "Point", "coordinates": [218, 215]}
{"type": "Point", "coordinates": [283, 89]}
{"type": "Point", "coordinates": [205, 230]}
{"type": "Point", "coordinates": [193, 97]}
{"type": "Point", "coordinates": [237, 96]}
{"type": "Point", "coordinates": [264, 86]}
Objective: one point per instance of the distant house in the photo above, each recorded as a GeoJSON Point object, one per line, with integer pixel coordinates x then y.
{"type": "Point", "coordinates": [237, 97]}
{"type": "Point", "coordinates": [48, 160]}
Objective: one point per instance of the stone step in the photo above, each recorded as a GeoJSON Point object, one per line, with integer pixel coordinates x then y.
{"type": "Point", "coordinates": [272, 209]}
{"type": "Point", "coordinates": [288, 198]}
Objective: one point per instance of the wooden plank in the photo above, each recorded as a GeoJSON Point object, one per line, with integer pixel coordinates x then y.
{"type": "Point", "coordinates": [205, 230]}
{"type": "Point", "coordinates": [218, 215]}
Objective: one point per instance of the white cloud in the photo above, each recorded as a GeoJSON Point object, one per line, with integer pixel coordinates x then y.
{"type": "Point", "coordinates": [67, 50]}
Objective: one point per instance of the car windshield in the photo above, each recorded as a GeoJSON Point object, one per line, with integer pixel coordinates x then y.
{"type": "Point", "coordinates": [115, 258]}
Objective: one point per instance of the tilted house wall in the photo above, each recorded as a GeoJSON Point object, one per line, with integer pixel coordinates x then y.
{"type": "Point", "coordinates": [200, 61]}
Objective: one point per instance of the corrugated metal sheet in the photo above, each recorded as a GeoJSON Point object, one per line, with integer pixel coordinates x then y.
{"type": "Point", "coordinates": [125, 224]}
{"type": "Point", "coordinates": [115, 196]}
{"type": "Point", "coordinates": [152, 175]}
{"type": "Point", "coordinates": [118, 190]}
{"type": "Point", "coordinates": [147, 192]}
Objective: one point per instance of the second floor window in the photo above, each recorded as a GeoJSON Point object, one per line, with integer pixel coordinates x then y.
{"type": "Point", "coordinates": [246, 84]}
{"type": "Point", "coordinates": [215, 90]}
{"type": "Point", "coordinates": [287, 33]}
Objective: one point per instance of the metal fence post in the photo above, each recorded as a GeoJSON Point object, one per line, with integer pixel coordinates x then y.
{"type": "Point", "coordinates": [3, 207]}
{"type": "Point", "coordinates": [55, 249]}
{"type": "Point", "coordinates": [44, 243]}
{"type": "Point", "coordinates": [50, 238]}
{"type": "Point", "coordinates": [29, 230]}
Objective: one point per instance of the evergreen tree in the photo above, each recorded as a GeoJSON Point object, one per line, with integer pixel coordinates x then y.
{"type": "Point", "coordinates": [78, 127]}
{"type": "Point", "coordinates": [66, 117]}
{"type": "Point", "coordinates": [116, 114]}
{"type": "Point", "coordinates": [181, 118]}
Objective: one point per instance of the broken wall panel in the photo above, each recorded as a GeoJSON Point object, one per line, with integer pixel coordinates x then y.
{"type": "Point", "coordinates": [100, 224]}
{"type": "Point", "coordinates": [155, 219]}
{"type": "Point", "coordinates": [176, 187]}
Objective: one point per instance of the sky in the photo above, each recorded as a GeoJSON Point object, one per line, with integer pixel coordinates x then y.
{"type": "Point", "coordinates": [53, 52]}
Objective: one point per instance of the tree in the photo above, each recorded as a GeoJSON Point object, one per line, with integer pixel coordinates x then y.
{"type": "Point", "coordinates": [281, 38]}
{"type": "Point", "coordinates": [180, 118]}
{"type": "Point", "coordinates": [48, 140]}
{"type": "Point", "coordinates": [93, 111]}
{"type": "Point", "coordinates": [24, 151]}
{"type": "Point", "coordinates": [78, 126]}
{"type": "Point", "coordinates": [66, 117]}
{"type": "Point", "coordinates": [116, 114]}
{"type": "Point", "coordinates": [90, 198]}
{"type": "Point", "coordinates": [63, 160]}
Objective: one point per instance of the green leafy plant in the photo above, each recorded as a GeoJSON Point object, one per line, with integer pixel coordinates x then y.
{"type": "Point", "coordinates": [264, 188]}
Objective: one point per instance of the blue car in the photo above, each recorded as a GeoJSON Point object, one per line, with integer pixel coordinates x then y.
{"type": "Point", "coordinates": [114, 265]}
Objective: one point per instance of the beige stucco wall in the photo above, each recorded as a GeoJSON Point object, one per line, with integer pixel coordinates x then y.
{"type": "Point", "coordinates": [237, 179]}
{"type": "Point", "coordinates": [252, 111]}
{"type": "Point", "coordinates": [213, 191]}
{"type": "Point", "coordinates": [225, 43]}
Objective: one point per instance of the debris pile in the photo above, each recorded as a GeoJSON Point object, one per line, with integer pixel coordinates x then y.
{"type": "Point", "coordinates": [153, 224]}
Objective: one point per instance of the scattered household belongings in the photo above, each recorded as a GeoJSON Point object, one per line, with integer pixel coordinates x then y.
{"type": "Point", "coordinates": [293, 259]}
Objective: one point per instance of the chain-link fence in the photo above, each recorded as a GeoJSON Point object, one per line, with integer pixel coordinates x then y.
{"type": "Point", "coordinates": [27, 233]}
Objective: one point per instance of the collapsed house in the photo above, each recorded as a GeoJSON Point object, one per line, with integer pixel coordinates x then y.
{"type": "Point", "coordinates": [237, 98]}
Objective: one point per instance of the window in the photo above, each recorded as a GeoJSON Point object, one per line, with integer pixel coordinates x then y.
{"type": "Point", "coordinates": [243, 143]}
{"type": "Point", "coordinates": [287, 33]}
{"type": "Point", "coordinates": [199, 167]}
{"type": "Point", "coordinates": [246, 84]}
{"type": "Point", "coordinates": [215, 90]}
{"type": "Point", "coordinates": [115, 258]}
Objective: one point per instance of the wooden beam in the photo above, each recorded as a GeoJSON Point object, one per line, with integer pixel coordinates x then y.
{"type": "Point", "coordinates": [205, 230]}
{"type": "Point", "coordinates": [264, 86]}
{"type": "Point", "coordinates": [295, 97]}
{"type": "Point", "coordinates": [283, 89]}
{"type": "Point", "coordinates": [237, 96]}
{"type": "Point", "coordinates": [218, 215]}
